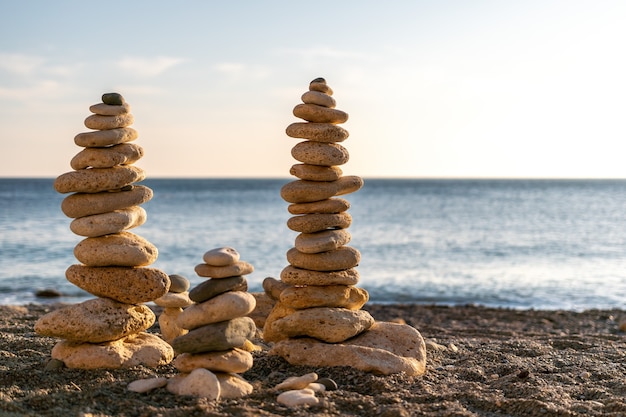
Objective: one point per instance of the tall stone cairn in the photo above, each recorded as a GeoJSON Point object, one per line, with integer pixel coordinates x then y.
{"type": "Point", "coordinates": [108, 331]}
{"type": "Point", "coordinates": [317, 318]}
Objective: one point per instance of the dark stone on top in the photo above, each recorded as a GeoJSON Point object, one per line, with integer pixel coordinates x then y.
{"type": "Point", "coordinates": [216, 286]}
{"type": "Point", "coordinates": [178, 283]}
{"type": "Point", "coordinates": [319, 80]}
{"type": "Point", "coordinates": [113, 99]}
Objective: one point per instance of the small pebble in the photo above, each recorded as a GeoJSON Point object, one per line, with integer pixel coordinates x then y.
{"type": "Point", "coordinates": [145, 385]}
{"type": "Point", "coordinates": [453, 347]}
{"type": "Point", "coordinates": [622, 326]}
{"type": "Point", "coordinates": [524, 373]}
{"type": "Point", "coordinates": [433, 346]}
{"type": "Point", "coordinates": [585, 375]}
{"type": "Point", "coordinates": [113, 99]}
{"type": "Point", "coordinates": [328, 383]}
{"type": "Point", "coordinates": [316, 387]}
{"type": "Point", "coordinates": [48, 293]}
{"type": "Point", "coordinates": [297, 382]}
{"type": "Point", "coordinates": [54, 364]}
{"type": "Point", "coordinates": [178, 283]}
{"type": "Point", "coordinates": [294, 398]}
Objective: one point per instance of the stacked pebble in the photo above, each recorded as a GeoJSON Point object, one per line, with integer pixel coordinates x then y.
{"type": "Point", "coordinates": [173, 303]}
{"type": "Point", "coordinates": [316, 296]}
{"type": "Point", "coordinates": [108, 332]}
{"type": "Point", "coordinates": [216, 347]}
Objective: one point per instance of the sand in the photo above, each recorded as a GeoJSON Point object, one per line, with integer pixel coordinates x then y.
{"type": "Point", "coordinates": [481, 362]}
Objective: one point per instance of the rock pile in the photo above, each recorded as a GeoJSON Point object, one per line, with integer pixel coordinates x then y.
{"type": "Point", "coordinates": [216, 347]}
{"type": "Point", "coordinates": [317, 319]}
{"type": "Point", "coordinates": [108, 331]}
{"type": "Point", "coordinates": [173, 303]}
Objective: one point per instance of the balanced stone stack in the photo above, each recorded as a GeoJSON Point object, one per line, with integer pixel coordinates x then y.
{"type": "Point", "coordinates": [173, 303]}
{"type": "Point", "coordinates": [216, 347]}
{"type": "Point", "coordinates": [317, 318]}
{"type": "Point", "coordinates": [108, 331]}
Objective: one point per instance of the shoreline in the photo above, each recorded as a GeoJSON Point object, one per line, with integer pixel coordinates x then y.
{"type": "Point", "coordinates": [480, 361]}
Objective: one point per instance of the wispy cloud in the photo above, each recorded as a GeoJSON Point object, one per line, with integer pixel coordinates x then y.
{"type": "Point", "coordinates": [20, 64]}
{"type": "Point", "coordinates": [321, 52]}
{"type": "Point", "coordinates": [149, 67]}
{"type": "Point", "coordinates": [40, 89]}
{"type": "Point", "coordinates": [236, 70]}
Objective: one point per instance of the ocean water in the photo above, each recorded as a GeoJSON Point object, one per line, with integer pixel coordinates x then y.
{"type": "Point", "coordinates": [542, 244]}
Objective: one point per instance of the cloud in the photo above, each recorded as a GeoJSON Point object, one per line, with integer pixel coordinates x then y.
{"type": "Point", "coordinates": [149, 67]}
{"type": "Point", "coordinates": [20, 64]}
{"type": "Point", "coordinates": [322, 52]}
{"type": "Point", "coordinates": [236, 70]}
{"type": "Point", "coordinates": [43, 88]}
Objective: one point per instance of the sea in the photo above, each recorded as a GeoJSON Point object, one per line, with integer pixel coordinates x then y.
{"type": "Point", "coordinates": [518, 244]}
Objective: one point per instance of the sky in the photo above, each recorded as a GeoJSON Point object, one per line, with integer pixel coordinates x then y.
{"type": "Point", "coordinates": [435, 89]}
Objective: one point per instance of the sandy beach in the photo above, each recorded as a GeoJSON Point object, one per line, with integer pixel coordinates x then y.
{"type": "Point", "coordinates": [481, 362]}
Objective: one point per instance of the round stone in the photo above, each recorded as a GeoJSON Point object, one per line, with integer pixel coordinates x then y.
{"type": "Point", "coordinates": [217, 336]}
{"type": "Point", "coordinates": [121, 154]}
{"type": "Point", "coordinates": [316, 172]}
{"type": "Point", "coordinates": [322, 241]}
{"type": "Point", "coordinates": [311, 223]}
{"type": "Point", "coordinates": [319, 98]}
{"type": "Point", "coordinates": [318, 132]}
{"type": "Point", "coordinates": [226, 306]}
{"type": "Point", "coordinates": [120, 249]}
{"type": "Point", "coordinates": [213, 287]}
{"type": "Point", "coordinates": [109, 110]}
{"type": "Point", "coordinates": [178, 283]}
{"type": "Point", "coordinates": [318, 153]}
{"type": "Point", "coordinates": [102, 138]}
{"type": "Point", "coordinates": [113, 99]}
{"type": "Point", "coordinates": [292, 275]}
{"type": "Point", "coordinates": [221, 256]}
{"type": "Point", "coordinates": [109, 223]}
{"type": "Point", "coordinates": [236, 269]}
{"type": "Point", "coordinates": [86, 204]}
{"type": "Point", "coordinates": [174, 300]}
{"type": "Point", "coordinates": [319, 84]}
{"type": "Point", "coordinates": [98, 179]}
{"type": "Point", "coordinates": [318, 114]}
{"type": "Point", "coordinates": [331, 205]}
{"type": "Point", "coordinates": [336, 260]}
{"type": "Point", "coordinates": [97, 122]}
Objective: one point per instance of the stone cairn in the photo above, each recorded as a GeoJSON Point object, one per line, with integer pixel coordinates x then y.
{"type": "Point", "coordinates": [108, 331]}
{"type": "Point", "coordinates": [216, 345]}
{"type": "Point", "coordinates": [317, 318]}
{"type": "Point", "coordinates": [173, 303]}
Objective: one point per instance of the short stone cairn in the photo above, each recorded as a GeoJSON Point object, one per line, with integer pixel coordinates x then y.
{"type": "Point", "coordinates": [108, 331]}
{"type": "Point", "coordinates": [173, 303]}
{"type": "Point", "coordinates": [217, 344]}
{"type": "Point", "coordinates": [317, 319]}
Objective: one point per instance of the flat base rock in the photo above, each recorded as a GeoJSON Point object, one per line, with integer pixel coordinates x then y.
{"type": "Point", "coordinates": [386, 348]}
{"type": "Point", "coordinates": [138, 349]}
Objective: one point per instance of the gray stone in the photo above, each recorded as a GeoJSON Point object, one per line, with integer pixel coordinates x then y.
{"type": "Point", "coordinates": [218, 336]}
{"type": "Point", "coordinates": [113, 99]}
{"type": "Point", "coordinates": [179, 283]}
{"type": "Point", "coordinates": [214, 287]}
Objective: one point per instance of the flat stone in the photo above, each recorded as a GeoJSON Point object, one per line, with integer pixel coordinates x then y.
{"type": "Point", "coordinates": [302, 191]}
{"type": "Point", "coordinates": [98, 179]}
{"type": "Point", "coordinates": [120, 249]}
{"type": "Point", "coordinates": [329, 206]}
{"type": "Point", "coordinates": [173, 300]}
{"type": "Point", "coordinates": [332, 325]}
{"type": "Point", "coordinates": [221, 256]}
{"type": "Point", "coordinates": [102, 138]}
{"type": "Point", "coordinates": [179, 283]}
{"type": "Point", "coordinates": [264, 305]}
{"type": "Point", "coordinates": [97, 320]}
{"type": "Point", "coordinates": [341, 296]}
{"type": "Point", "coordinates": [104, 109]}
{"type": "Point", "coordinates": [199, 383]}
{"type": "Point", "coordinates": [322, 241]}
{"type": "Point", "coordinates": [212, 287]}
{"type": "Point", "coordinates": [312, 223]}
{"type": "Point", "coordinates": [236, 269]}
{"type": "Point", "coordinates": [316, 172]}
{"type": "Point", "coordinates": [318, 132]}
{"type": "Point", "coordinates": [336, 260]}
{"type": "Point", "coordinates": [168, 325]}
{"type": "Point", "coordinates": [226, 306]}
{"type": "Point", "coordinates": [319, 98]}
{"type": "Point", "coordinates": [386, 348]}
{"type": "Point", "coordinates": [318, 153]}
{"type": "Point", "coordinates": [124, 284]}
{"type": "Point", "coordinates": [319, 84]}
{"type": "Point", "coordinates": [122, 154]}
{"type": "Point", "coordinates": [218, 336]}
{"type": "Point", "coordinates": [233, 386]}
{"type": "Point", "coordinates": [87, 204]}
{"type": "Point", "coordinates": [298, 276]}
{"type": "Point", "coordinates": [232, 360]}
{"type": "Point", "coordinates": [98, 122]}
{"type": "Point", "coordinates": [108, 223]}
{"type": "Point", "coordinates": [294, 398]}
{"type": "Point", "coordinates": [273, 287]}
{"type": "Point", "coordinates": [146, 385]}
{"type": "Point", "coordinates": [297, 382]}
{"type": "Point", "coordinates": [137, 349]}
{"type": "Point", "coordinates": [113, 99]}
{"type": "Point", "coordinates": [319, 114]}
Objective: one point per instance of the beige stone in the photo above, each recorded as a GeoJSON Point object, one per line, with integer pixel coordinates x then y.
{"type": "Point", "coordinates": [270, 334]}
{"type": "Point", "coordinates": [226, 306]}
{"type": "Point", "coordinates": [146, 385]}
{"type": "Point", "coordinates": [87, 204]}
{"type": "Point", "coordinates": [322, 241]}
{"type": "Point", "coordinates": [319, 132]}
{"type": "Point", "coordinates": [294, 398]}
{"type": "Point", "coordinates": [297, 382]}
{"type": "Point", "coordinates": [95, 180]}
{"type": "Point", "coordinates": [339, 259]}
{"type": "Point", "coordinates": [221, 256]}
{"type": "Point", "coordinates": [318, 153]}
{"type": "Point", "coordinates": [273, 287]}
{"type": "Point", "coordinates": [137, 349]}
{"type": "Point", "coordinates": [329, 206]}
{"type": "Point", "coordinates": [124, 284]}
{"type": "Point", "coordinates": [341, 296]}
{"type": "Point", "coordinates": [312, 223]}
{"type": "Point", "coordinates": [97, 320]}
{"type": "Point", "coordinates": [174, 299]}
{"type": "Point", "coordinates": [98, 122]}
{"type": "Point", "coordinates": [233, 270]}
{"type": "Point", "coordinates": [319, 84]}
{"type": "Point", "coordinates": [386, 348]}
{"type": "Point", "coordinates": [109, 110]}
{"type": "Point", "coordinates": [316, 172]}
{"type": "Point", "coordinates": [302, 191]}
{"type": "Point", "coordinates": [120, 249]}
{"type": "Point", "coordinates": [168, 325]}
{"type": "Point", "coordinates": [319, 98]}
{"type": "Point", "coordinates": [199, 383]}
{"type": "Point", "coordinates": [332, 325]}
{"type": "Point", "coordinates": [122, 154]}
{"type": "Point", "coordinates": [108, 223]}
{"type": "Point", "coordinates": [233, 360]}
{"type": "Point", "coordinates": [102, 138]}
{"type": "Point", "coordinates": [298, 276]}
{"type": "Point", "coordinates": [348, 184]}
{"type": "Point", "coordinates": [233, 386]}
{"type": "Point", "coordinates": [318, 114]}
{"type": "Point", "coordinates": [264, 305]}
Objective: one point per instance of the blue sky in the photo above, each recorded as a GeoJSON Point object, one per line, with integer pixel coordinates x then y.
{"type": "Point", "coordinates": [433, 88]}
